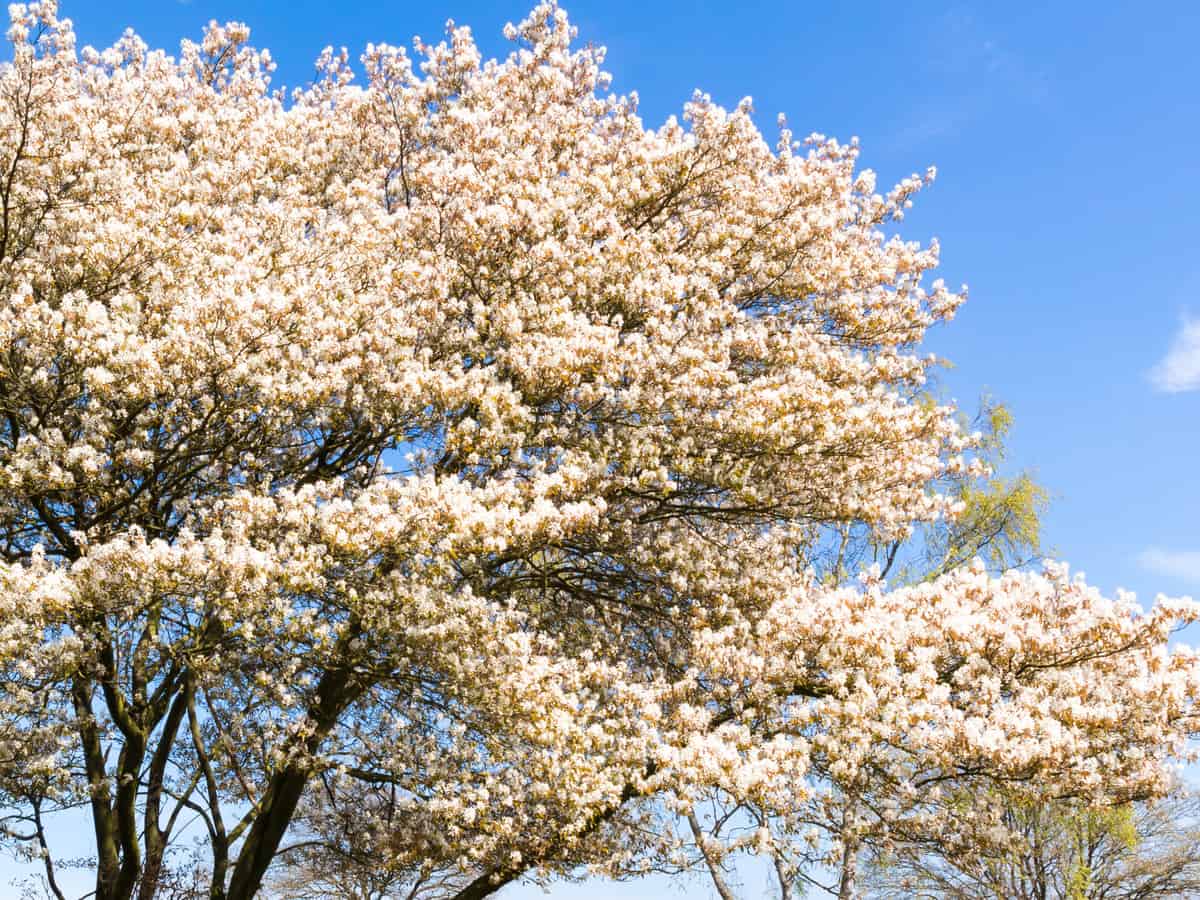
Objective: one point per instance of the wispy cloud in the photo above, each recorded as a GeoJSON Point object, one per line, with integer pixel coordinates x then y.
{"type": "Point", "coordinates": [1179, 370]}
{"type": "Point", "coordinates": [976, 71]}
{"type": "Point", "coordinates": [1183, 564]}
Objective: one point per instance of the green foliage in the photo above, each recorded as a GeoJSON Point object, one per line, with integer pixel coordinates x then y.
{"type": "Point", "coordinates": [1001, 522]}
{"type": "Point", "coordinates": [1091, 826]}
{"type": "Point", "coordinates": [1000, 519]}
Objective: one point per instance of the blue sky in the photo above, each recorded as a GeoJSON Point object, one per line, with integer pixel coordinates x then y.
{"type": "Point", "coordinates": [1067, 138]}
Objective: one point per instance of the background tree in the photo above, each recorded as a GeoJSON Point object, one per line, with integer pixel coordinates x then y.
{"type": "Point", "coordinates": [818, 844]}
{"type": "Point", "coordinates": [458, 438]}
{"type": "Point", "coordinates": [1019, 848]}
{"type": "Point", "coordinates": [1062, 851]}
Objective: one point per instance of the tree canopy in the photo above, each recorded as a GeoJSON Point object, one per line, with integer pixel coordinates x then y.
{"type": "Point", "coordinates": [454, 450]}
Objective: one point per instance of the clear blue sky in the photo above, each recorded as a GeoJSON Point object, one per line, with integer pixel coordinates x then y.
{"type": "Point", "coordinates": [1067, 139]}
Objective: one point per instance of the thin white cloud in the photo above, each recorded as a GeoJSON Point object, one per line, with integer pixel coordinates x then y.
{"type": "Point", "coordinates": [1179, 370]}
{"type": "Point", "coordinates": [1182, 564]}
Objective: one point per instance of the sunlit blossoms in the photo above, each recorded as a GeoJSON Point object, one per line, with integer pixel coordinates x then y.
{"type": "Point", "coordinates": [439, 454]}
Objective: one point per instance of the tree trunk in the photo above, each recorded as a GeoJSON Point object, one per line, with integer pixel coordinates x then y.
{"type": "Point", "coordinates": [848, 890]}
{"type": "Point", "coordinates": [486, 885]}
{"type": "Point", "coordinates": [714, 870]}
{"type": "Point", "coordinates": [337, 690]}
{"type": "Point", "coordinates": [104, 829]}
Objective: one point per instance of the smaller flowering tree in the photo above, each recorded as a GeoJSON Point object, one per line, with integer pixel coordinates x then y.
{"type": "Point", "coordinates": [831, 825]}
{"type": "Point", "coordinates": [958, 689]}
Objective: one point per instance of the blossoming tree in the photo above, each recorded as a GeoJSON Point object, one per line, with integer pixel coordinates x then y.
{"type": "Point", "coordinates": [457, 439]}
